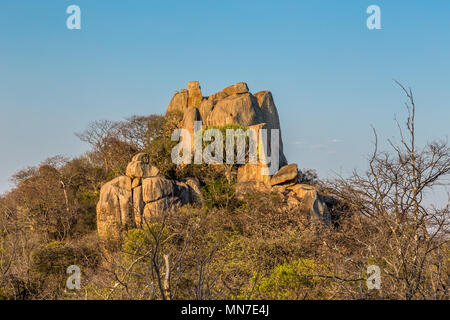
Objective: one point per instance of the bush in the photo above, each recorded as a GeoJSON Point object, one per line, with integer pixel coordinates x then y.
{"type": "Point", "coordinates": [219, 193]}
{"type": "Point", "coordinates": [53, 259]}
{"type": "Point", "coordinates": [294, 280]}
{"type": "Point", "coordinates": [140, 242]}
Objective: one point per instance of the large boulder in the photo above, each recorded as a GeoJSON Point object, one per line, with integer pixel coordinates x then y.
{"type": "Point", "coordinates": [217, 96]}
{"type": "Point", "coordinates": [268, 109]}
{"type": "Point", "coordinates": [156, 188]}
{"type": "Point", "coordinates": [139, 167]}
{"type": "Point", "coordinates": [194, 93]}
{"type": "Point", "coordinates": [238, 88]}
{"type": "Point", "coordinates": [162, 195]}
{"type": "Point", "coordinates": [288, 173]}
{"type": "Point", "coordinates": [157, 208]}
{"type": "Point", "coordinates": [270, 117]}
{"type": "Point", "coordinates": [190, 116]}
{"type": "Point", "coordinates": [254, 172]}
{"type": "Point", "coordinates": [311, 201]}
{"type": "Point", "coordinates": [195, 189]}
{"type": "Point", "coordinates": [205, 109]}
{"type": "Point", "coordinates": [179, 102]}
{"type": "Point", "coordinates": [232, 105]}
{"type": "Point", "coordinates": [235, 109]}
{"type": "Point", "coordinates": [114, 208]}
{"type": "Point", "coordinates": [126, 202]}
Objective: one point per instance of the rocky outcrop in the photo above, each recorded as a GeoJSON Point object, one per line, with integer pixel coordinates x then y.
{"type": "Point", "coordinates": [190, 116]}
{"type": "Point", "coordinates": [206, 108]}
{"type": "Point", "coordinates": [144, 193]}
{"type": "Point", "coordinates": [139, 167]}
{"type": "Point", "coordinates": [115, 207]}
{"type": "Point", "coordinates": [238, 88]}
{"type": "Point", "coordinates": [311, 201]}
{"type": "Point", "coordinates": [288, 173]}
{"type": "Point", "coordinates": [253, 172]}
{"type": "Point", "coordinates": [179, 102]}
{"type": "Point", "coordinates": [233, 105]}
{"type": "Point", "coordinates": [235, 109]}
{"type": "Point", "coordinates": [156, 188]}
{"type": "Point", "coordinates": [194, 94]}
{"type": "Point", "coordinates": [270, 117]}
{"type": "Point", "coordinates": [237, 105]}
{"type": "Point", "coordinates": [130, 201]}
{"type": "Point", "coordinates": [195, 190]}
{"type": "Point", "coordinates": [161, 195]}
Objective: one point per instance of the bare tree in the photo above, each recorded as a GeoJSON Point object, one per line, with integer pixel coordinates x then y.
{"type": "Point", "coordinates": [391, 222]}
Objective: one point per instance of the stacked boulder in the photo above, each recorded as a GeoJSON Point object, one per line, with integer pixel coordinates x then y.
{"type": "Point", "coordinates": [233, 105]}
{"type": "Point", "coordinates": [131, 200]}
{"type": "Point", "coordinates": [237, 105]}
{"type": "Point", "coordinates": [305, 196]}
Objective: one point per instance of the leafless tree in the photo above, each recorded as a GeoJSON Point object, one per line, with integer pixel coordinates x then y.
{"type": "Point", "coordinates": [390, 219]}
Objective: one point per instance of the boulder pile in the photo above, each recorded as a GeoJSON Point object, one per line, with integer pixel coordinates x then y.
{"type": "Point", "coordinates": [133, 199]}
{"type": "Point", "coordinates": [233, 105]}
{"type": "Point", "coordinates": [237, 105]}
{"type": "Point", "coordinates": [143, 192]}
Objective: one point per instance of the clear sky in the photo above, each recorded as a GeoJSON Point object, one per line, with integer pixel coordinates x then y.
{"type": "Point", "coordinates": [331, 77]}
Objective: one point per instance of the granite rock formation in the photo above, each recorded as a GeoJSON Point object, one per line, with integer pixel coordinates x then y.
{"type": "Point", "coordinates": [131, 200]}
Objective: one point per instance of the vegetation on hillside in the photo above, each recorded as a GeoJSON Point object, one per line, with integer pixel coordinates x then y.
{"type": "Point", "coordinates": [227, 247]}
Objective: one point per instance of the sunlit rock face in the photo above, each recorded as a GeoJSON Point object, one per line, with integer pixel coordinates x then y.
{"type": "Point", "coordinates": [233, 105]}
{"type": "Point", "coordinates": [143, 193]}
{"type": "Point", "coordinates": [129, 201]}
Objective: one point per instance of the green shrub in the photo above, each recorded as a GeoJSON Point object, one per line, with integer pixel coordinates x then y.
{"type": "Point", "coordinates": [294, 280]}
{"type": "Point", "coordinates": [219, 193]}
{"type": "Point", "coordinates": [141, 241]}
{"type": "Point", "coordinates": [53, 258]}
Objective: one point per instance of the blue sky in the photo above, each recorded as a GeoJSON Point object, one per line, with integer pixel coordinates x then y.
{"type": "Point", "coordinates": [331, 77]}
